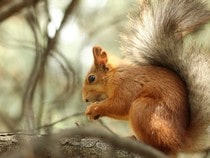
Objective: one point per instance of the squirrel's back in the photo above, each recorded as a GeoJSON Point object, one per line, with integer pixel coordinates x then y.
{"type": "Point", "coordinates": [155, 37]}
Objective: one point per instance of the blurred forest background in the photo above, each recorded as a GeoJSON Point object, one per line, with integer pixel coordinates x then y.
{"type": "Point", "coordinates": [45, 52]}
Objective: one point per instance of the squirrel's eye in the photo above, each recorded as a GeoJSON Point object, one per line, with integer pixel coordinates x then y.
{"type": "Point", "coordinates": [91, 78]}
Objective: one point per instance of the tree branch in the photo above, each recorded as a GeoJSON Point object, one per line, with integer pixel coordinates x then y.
{"type": "Point", "coordinates": [82, 142]}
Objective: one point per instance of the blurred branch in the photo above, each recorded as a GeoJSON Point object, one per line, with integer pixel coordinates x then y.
{"type": "Point", "coordinates": [41, 103]}
{"type": "Point", "coordinates": [9, 8]}
{"type": "Point", "coordinates": [4, 2]}
{"type": "Point", "coordinates": [69, 73]}
{"type": "Point", "coordinates": [27, 102]}
{"type": "Point", "coordinates": [52, 41]}
{"type": "Point", "coordinates": [39, 65]}
{"type": "Point", "coordinates": [47, 12]}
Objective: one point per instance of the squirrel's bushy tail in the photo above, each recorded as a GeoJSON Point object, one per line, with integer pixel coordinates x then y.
{"type": "Point", "coordinates": [154, 36]}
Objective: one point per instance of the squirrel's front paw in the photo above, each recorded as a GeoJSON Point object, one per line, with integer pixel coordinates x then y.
{"type": "Point", "coordinates": [93, 112]}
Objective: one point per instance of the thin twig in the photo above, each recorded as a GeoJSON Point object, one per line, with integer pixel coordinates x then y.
{"type": "Point", "coordinates": [106, 127]}
{"type": "Point", "coordinates": [61, 120]}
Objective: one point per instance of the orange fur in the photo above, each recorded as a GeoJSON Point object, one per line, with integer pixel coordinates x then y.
{"type": "Point", "coordinates": [153, 99]}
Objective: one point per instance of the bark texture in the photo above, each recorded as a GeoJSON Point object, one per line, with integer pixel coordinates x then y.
{"type": "Point", "coordinates": [72, 143]}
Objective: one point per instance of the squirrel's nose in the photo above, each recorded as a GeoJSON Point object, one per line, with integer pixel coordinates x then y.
{"type": "Point", "coordinates": [86, 100]}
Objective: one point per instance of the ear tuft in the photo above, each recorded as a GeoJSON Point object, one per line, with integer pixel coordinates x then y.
{"type": "Point", "coordinates": [100, 57]}
{"type": "Point", "coordinates": [96, 50]}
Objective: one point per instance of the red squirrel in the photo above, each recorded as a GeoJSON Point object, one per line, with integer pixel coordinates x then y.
{"type": "Point", "coordinates": [164, 92]}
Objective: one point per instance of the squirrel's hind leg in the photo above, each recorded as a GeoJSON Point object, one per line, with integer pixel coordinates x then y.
{"type": "Point", "coordinates": [153, 124]}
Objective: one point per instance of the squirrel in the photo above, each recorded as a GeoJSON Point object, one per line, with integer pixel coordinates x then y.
{"type": "Point", "coordinates": [164, 91]}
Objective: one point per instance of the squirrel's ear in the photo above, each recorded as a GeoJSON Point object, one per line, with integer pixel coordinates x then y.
{"type": "Point", "coordinates": [100, 58]}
